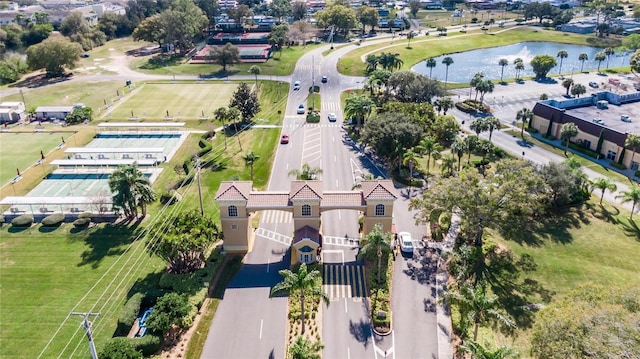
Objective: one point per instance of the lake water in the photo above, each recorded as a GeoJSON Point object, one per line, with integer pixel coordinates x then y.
{"type": "Point", "coordinates": [466, 64]}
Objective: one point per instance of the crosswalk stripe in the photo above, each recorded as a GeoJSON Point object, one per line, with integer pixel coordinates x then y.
{"type": "Point", "coordinates": [340, 241]}
{"type": "Point", "coordinates": [273, 236]}
{"type": "Point", "coordinates": [344, 281]}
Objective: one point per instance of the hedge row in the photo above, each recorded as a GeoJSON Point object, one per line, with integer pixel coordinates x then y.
{"type": "Point", "coordinates": [53, 220]}
{"type": "Point", "coordinates": [130, 312]}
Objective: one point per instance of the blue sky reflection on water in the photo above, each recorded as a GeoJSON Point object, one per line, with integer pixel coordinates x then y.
{"type": "Point", "coordinates": [466, 64]}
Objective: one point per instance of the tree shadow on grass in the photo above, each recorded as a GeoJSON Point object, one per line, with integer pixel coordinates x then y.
{"type": "Point", "coordinates": [554, 226]}
{"type": "Point", "coordinates": [107, 240]}
{"type": "Point", "coordinates": [631, 229]}
{"type": "Point", "coordinates": [603, 213]}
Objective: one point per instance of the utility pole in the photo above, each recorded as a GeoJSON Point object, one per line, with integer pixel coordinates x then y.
{"type": "Point", "coordinates": [86, 324]}
{"type": "Point", "coordinates": [199, 188]}
{"type": "Point", "coordinates": [313, 84]}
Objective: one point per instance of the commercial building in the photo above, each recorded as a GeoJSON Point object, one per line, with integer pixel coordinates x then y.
{"type": "Point", "coordinates": [604, 119]}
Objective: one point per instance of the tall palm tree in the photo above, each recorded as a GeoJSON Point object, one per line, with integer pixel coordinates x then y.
{"type": "Point", "coordinates": [485, 87]}
{"type": "Point", "coordinates": [470, 143]}
{"type": "Point", "coordinates": [479, 351]}
{"type": "Point", "coordinates": [493, 124]}
{"type": "Point", "coordinates": [633, 196]}
{"type": "Point", "coordinates": [444, 104]}
{"type": "Point", "coordinates": [582, 58]}
{"type": "Point", "coordinates": [476, 306]}
{"type": "Point", "coordinates": [303, 282]}
{"type": "Point", "coordinates": [567, 132]}
{"type": "Point", "coordinates": [562, 54]}
{"type": "Point", "coordinates": [255, 70]}
{"type": "Point", "coordinates": [390, 61]}
{"type": "Point", "coordinates": [358, 107]}
{"type": "Point", "coordinates": [234, 115]}
{"type": "Point", "coordinates": [447, 61]}
{"type": "Point", "coordinates": [600, 56]}
{"type": "Point", "coordinates": [249, 159]}
{"type": "Point", "coordinates": [409, 158]}
{"type": "Point", "coordinates": [131, 189]}
{"type": "Point", "coordinates": [458, 148]}
{"type": "Point", "coordinates": [519, 67]}
{"type": "Point", "coordinates": [608, 52]}
{"type": "Point", "coordinates": [430, 147]}
{"type": "Point", "coordinates": [503, 63]}
{"type": "Point", "coordinates": [604, 184]}
{"type": "Point", "coordinates": [479, 125]}
{"type": "Point", "coordinates": [304, 348]}
{"type": "Point", "coordinates": [524, 115]}
{"type": "Point", "coordinates": [307, 173]}
{"type": "Point", "coordinates": [372, 62]}
{"type": "Point", "coordinates": [410, 36]}
{"type": "Point", "coordinates": [220, 114]}
{"type": "Point", "coordinates": [376, 244]}
{"type": "Point", "coordinates": [633, 142]}
{"type": "Point", "coordinates": [431, 63]}
{"type": "Point", "coordinates": [566, 83]}
{"type": "Point", "coordinates": [448, 165]}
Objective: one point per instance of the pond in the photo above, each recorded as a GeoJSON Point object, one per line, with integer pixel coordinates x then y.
{"type": "Point", "coordinates": [466, 64]}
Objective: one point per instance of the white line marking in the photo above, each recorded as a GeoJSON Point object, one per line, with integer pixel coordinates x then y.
{"type": "Point", "coordinates": [339, 215]}
{"type": "Point", "coordinates": [348, 353]}
{"type": "Point", "coordinates": [345, 305]}
{"type": "Point", "coordinates": [335, 159]}
{"type": "Point", "coordinates": [336, 182]}
{"type": "Point", "coordinates": [261, 322]}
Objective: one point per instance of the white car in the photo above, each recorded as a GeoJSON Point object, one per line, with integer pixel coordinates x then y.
{"type": "Point", "coordinates": [406, 242]}
{"type": "Point", "coordinates": [301, 109]}
{"type": "Point", "coordinates": [333, 117]}
{"type": "Point", "coordinates": [296, 85]}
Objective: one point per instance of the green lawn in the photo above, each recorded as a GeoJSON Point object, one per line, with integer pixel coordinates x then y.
{"type": "Point", "coordinates": [21, 150]}
{"type": "Point", "coordinates": [46, 274]}
{"type": "Point", "coordinates": [181, 100]}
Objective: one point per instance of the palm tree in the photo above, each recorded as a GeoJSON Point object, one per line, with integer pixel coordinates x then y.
{"type": "Point", "coordinates": [358, 107]}
{"type": "Point", "coordinates": [566, 83]}
{"type": "Point", "coordinates": [234, 114]}
{"type": "Point", "coordinates": [519, 67]}
{"type": "Point", "coordinates": [470, 143]}
{"type": "Point", "coordinates": [476, 306]}
{"type": "Point", "coordinates": [492, 123]}
{"type": "Point", "coordinates": [633, 142]}
{"type": "Point", "coordinates": [255, 70]}
{"type": "Point", "coordinates": [430, 147]}
{"type": "Point", "coordinates": [444, 104]}
{"type": "Point", "coordinates": [562, 54]}
{"type": "Point", "coordinates": [409, 38]}
{"type": "Point", "coordinates": [448, 165]}
{"type": "Point", "coordinates": [503, 63]}
{"type": "Point", "coordinates": [600, 56]}
{"type": "Point", "coordinates": [376, 244]}
{"type": "Point", "coordinates": [608, 51]}
{"type": "Point", "coordinates": [604, 184]}
{"type": "Point", "coordinates": [524, 115]}
{"type": "Point", "coordinates": [307, 173]}
{"type": "Point", "coordinates": [447, 61]}
{"type": "Point", "coordinates": [372, 62]}
{"type": "Point", "coordinates": [633, 196]}
{"type": "Point", "coordinates": [567, 132]}
{"type": "Point", "coordinates": [458, 148]}
{"type": "Point", "coordinates": [131, 189]}
{"type": "Point", "coordinates": [485, 87]}
{"type": "Point", "coordinates": [390, 61]}
{"type": "Point", "coordinates": [431, 63]}
{"type": "Point", "coordinates": [249, 159]}
{"type": "Point", "coordinates": [409, 159]}
{"type": "Point", "coordinates": [582, 58]}
{"type": "Point", "coordinates": [304, 282]}
{"type": "Point", "coordinates": [304, 348]}
{"type": "Point", "coordinates": [479, 125]}
{"type": "Point", "coordinates": [479, 351]}
{"type": "Point", "coordinates": [220, 114]}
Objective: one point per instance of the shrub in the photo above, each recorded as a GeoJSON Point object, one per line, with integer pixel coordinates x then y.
{"type": "Point", "coordinates": [313, 117]}
{"type": "Point", "coordinates": [205, 147]}
{"type": "Point", "coordinates": [169, 198]}
{"type": "Point", "coordinates": [187, 282]}
{"type": "Point", "coordinates": [617, 165]}
{"type": "Point", "coordinates": [53, 220]}
{"type": "Point", "coordinates": [85, 215]}
{"type": "Point", "coordinates": [148, 345]}
{"type": "Point", "coordinates": [26, 220]}
{"type": "Point", "coordinates": [81, 222]}
{"type": "Point", "coordinates": [119, 348]}
{"type": "Point", "coordinates": [129, 313]}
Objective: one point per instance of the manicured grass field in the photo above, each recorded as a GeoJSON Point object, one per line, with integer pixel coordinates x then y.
{"type": "Point", "coordinates": [45, 274]}
{"type": "Point", "coordinates": [181, 100]}
{"type": "Point", "coordinates": [21, 150]}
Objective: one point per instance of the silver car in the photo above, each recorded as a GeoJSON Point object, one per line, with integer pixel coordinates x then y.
{"type": "Point", "coordinates": [406, 242]}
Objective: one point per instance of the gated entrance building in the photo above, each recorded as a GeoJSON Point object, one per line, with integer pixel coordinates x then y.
{"type": "Point", "coordinates": [306, 201]}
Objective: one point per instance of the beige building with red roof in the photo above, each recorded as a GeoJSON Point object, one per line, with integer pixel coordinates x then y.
{"type": "Point", "coordinates": [306, 201]}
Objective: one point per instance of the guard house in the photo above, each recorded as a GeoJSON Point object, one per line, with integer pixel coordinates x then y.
{"type": "Point", "coordinates": [306, 201]}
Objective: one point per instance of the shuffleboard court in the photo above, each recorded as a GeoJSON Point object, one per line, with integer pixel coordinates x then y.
{"type": "Point", "coordinates": [180, 100]}
{"type": "Point", "coordinates": [21, 150]}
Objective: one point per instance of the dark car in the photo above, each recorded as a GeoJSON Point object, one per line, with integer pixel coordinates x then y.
{"type": "Point", "coordinates": [324, 79]}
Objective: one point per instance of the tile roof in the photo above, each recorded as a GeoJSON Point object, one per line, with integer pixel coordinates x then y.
{"type": "Point", "coordinates": [234, 191]}
{"type": "Point", "coordinates": [306, 232]}
{"type": "Point", "coordinates": [378, 189]}
{"type": "Point", "coordinates": [306, 190]}
{"type": "Point", "coordinates": [342, 199]}
{"type": "Point", "coordinates": [268, 200]}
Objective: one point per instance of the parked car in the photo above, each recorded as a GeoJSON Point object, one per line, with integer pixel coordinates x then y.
{"type": "Point", "coordinates": [284, 139]}
{"type": "Point", "coordinates": [296, 85]}
{"type": "Point", "coordinates": [301, 109]}
{"type": "Point", "coordinates": [332, 117]}
{"type": "Point", "coordinates": [593, 84]}
{"type": "Point", "coordinates": [406, 242]}
{"type": "Point", "coordinates": [324, 79]}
